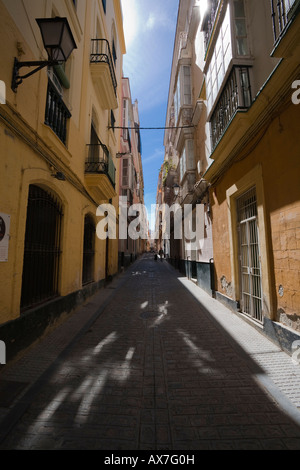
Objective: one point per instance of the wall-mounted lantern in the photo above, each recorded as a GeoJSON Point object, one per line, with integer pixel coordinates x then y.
{"type": "Point", "coordinates": [58, 42]}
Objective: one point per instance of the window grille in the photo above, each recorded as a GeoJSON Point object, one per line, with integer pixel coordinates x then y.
{"type": "Point", "coordinates": [282, 12]}
{"type": "Point", "coordinates": [88, 250]}
{"type": "Point", "coordinates": [42, 248]}
{"type": "Point", "coordinates": [250, 269]}
{"type": "Point", "coordinates": [57, 113]}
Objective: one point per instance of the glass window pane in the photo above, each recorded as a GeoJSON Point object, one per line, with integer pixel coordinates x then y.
{"type": "Point", "coordinates": [239, 10]}
{"type": "Point", "coordinates": [240, 27]}
{"type": "Point", "coordinates": [242, 46]}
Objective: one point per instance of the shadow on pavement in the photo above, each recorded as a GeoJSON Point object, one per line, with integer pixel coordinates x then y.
{"type": "Point", "coordinates": [154, 371]}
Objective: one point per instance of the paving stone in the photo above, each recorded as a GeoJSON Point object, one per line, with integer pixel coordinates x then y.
{"type": "Point", "coordinates": [117, 377]}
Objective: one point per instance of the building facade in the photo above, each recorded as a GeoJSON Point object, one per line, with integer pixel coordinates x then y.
{"type": "Point", "coordinates": [187, 150]}
{"type": "Point", "coordinates": [131, 181]}
{"type": "Point", "coordinates": [58, 146]}
{"type": "Point", "coordinates": [246, 60]}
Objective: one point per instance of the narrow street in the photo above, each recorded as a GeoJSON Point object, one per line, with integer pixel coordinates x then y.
{"type": "Point", "coordinates": [146, 365]}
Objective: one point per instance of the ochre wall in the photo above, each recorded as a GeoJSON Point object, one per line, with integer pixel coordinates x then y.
{"type": "Point", "coordinates": [277, 151]}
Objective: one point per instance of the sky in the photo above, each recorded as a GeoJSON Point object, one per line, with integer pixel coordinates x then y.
{"type": "Point", "coordinates": [149, 27]}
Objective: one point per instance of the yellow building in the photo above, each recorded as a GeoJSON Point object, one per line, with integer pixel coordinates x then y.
{"type": "Point", "coordinates": [58, 149]}
{"type": "Point", "coordinates": [254, 178]}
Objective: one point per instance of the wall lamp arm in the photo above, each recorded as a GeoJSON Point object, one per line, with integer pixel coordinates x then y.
{"type": "Point", "coordinates": [17, 79]}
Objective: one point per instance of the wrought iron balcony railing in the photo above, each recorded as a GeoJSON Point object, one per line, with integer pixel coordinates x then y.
{"type": "Point", "coordinates": [235, 96]}
{"type": "Point", "coordinates": [57, 113]}
{"type": "Point", "coordinates": [100, 162]}
{"type": "Point", "coordinates": [101, 53]}
{"type": "Point", "coordinates": [210, 20]}
{"type": "Point", "coordinates": [282, 14]}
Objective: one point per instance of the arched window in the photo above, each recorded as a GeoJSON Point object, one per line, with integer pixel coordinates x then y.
{"type": "Point", "coordinates": [113, 44]}
{"type": "Point", "coordinates": [88, 250]}
{"type": "Point", "coordinates": [42, 248]}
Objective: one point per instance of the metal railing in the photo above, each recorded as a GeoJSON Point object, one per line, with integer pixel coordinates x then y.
{"type": "Point", "coordinates": [88, 251]}
{"type": "Point", "coordinates": [42, 248]}
{"type": "Point", "coordinates": [100, 161]}
{"type": "Point", "coordinates": [249, 255]}
{"type": "Point", "coordinates": [101, 53]}
{"type": "Point", "coordinates": [209, 22]}
{"type": "Point", "coordinates": [282, 13]}
{"type": "Point", "coordinates": [235, 96]}
{"type": "Point", "coordinates": [57, 113]}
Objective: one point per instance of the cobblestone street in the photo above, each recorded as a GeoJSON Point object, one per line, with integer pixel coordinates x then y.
{"type": "Point", "coordinates": [152, 362]}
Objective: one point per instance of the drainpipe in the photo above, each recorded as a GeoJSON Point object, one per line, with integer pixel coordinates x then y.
{"type": "Point", "coordinates": [212, 277]}
{"type": "Point", "coordinates": [188, 268]}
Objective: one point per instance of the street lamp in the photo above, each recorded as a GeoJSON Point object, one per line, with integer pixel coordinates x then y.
{"type": "Point", "coordinates": [58, 42]}
{"type": "Point", "coordinates": [176, 189]}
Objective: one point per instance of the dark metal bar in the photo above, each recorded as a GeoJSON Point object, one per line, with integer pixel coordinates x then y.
{"type": "Point", "coordinates": [274, 20]}
{"type": "Point", "coordinates": [210, 21]}
{"type": "Point", "coordinates": [88, 251]}
{"type": "Point", "coordinates": [42, 248]}
{"type": "Point", "coordinates": [56, 113]}
{"type": "Point", "coordinates": [39, 64]}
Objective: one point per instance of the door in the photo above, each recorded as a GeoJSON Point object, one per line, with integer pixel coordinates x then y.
{"type": "Point", "coordinates": [249, 256]}
{"type": "Point", "coordinates": [42, 248]}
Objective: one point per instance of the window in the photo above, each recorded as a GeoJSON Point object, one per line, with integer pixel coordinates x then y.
{"type": "Point", "coordinates": [182, 165]}
{"type": "Point", "coordinates": [127, 173]}
{"type": "Point", "coordinates": [240, 28]}
{"type": "Point", "coordinates": [56, 113]}
{"type": "Point", "coordinates": [220, 60]}
{"type": "Point", "coordinates": [210, 19]}
{"type": "Point", "coordinates": [187, 158]}
{"type": "Point", "coordinates": [236, 94]}
{"type": "Point", "coordinates": [250, 270]}
{"type": "Point", "coordinates": [94, 146]}
{"type": "Point", "coordinates": [114, 53]}
{"type": "Point", "coordinates": [42, 247]}
{"type": "Point", "coordinates": [183, 91]}
{"type": "Point", "coordinates": [112, 120]}
{"type": "Point", "coordinates": [187, 96]}
{"type": "Point", "coordinates": [88, 250]}
{"type": "Point", "coordinates": [126, 121]}
{"type": "Point", "coordinates": [125, 178]}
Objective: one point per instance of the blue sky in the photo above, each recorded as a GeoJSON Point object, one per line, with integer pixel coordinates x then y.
{"type": "Point", "coordinates": [149, 27]}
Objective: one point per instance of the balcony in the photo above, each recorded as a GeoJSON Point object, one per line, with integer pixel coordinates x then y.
{"type": "Point", "coordinates": [236, 96]}
{"type": "Point", "coordinates": [209, 22]}
{"type": "Point", "coordinates": [103, 73]}
{"type": "Point", "coordinates": [57, 113]}
{"type": "Point", "coordinates": [286, 19]}
{"type": "Point", "coordinates": [100, 172]}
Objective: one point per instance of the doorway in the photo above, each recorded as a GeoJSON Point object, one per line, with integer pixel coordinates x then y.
{"type": "Point", "coordinates": [249, 255]}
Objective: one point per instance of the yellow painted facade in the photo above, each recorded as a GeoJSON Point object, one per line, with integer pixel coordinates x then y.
{"type": "Point", "coordinates": [32, 153]}
{"type": "Point", "coordinates": [260, 150]}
